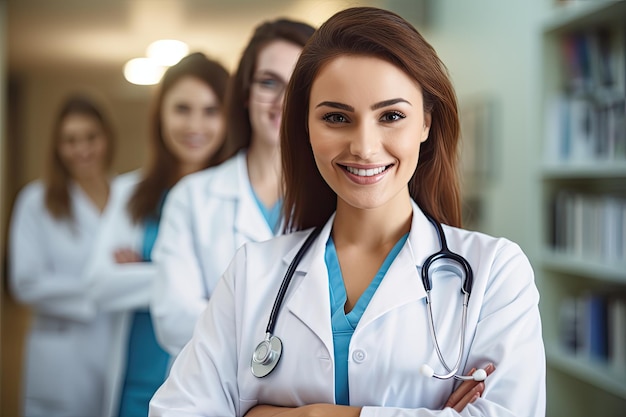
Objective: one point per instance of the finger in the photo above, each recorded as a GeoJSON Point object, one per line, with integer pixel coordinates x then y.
{"type": "Point", "coordinates": [119, 257]}
{"type": "Point", "coordinates": [470, 397]}
{"type": "Point", "coordinates": [461, 391]}
{"type": "Point", "coordinates": [468, 388]}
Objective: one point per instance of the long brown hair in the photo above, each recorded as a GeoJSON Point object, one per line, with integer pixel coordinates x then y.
{"type": "Point", "coordinates": [238, 127]}
{"type": "Point", "coordinates": [163, 167]}
{"type": "Point", "coordinates": [57, 177]}
{"type": "Point", "coordinates": [369, 31]}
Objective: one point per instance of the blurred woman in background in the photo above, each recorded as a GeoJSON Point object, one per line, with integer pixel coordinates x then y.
{"type": "Point", "coordinates": [52, 234]}
{"type": "Point", "coordinates": [212, 213]}
{"type": "Point", "coordinates": [187, 130]}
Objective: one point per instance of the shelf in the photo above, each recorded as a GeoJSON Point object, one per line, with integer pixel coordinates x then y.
{"type": "Point", "coordinates": [600, 169]}
{"type": "Point", "coordinates": [583, 46]}
{"type": "Point", "coordinates": [597, 373]}
{"type": "Point", "coordinates": [596, 269]}
{"type": "Point", "coordinates": [579, 14]}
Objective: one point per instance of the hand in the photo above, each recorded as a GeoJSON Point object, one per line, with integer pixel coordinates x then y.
{"type": "Point", "coordinates": [468, 391]}
{"type": "Point", "coordinates": [125, 255]}
{"type": "Point", "coordinates": [312, 410]}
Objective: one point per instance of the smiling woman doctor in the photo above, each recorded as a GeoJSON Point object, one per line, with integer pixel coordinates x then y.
{"type": "Point", "coordinates": [368, 98]}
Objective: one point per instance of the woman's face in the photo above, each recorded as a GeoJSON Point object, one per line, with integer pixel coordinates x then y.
{"type": "Point", "coordinates": [274, 66]}
{"type": "Point", "coordinates": [82, 146]}
{"type": "Point", "coordinates": [192, 122]}
{"type": "Point", "coordinates": [366, 125]}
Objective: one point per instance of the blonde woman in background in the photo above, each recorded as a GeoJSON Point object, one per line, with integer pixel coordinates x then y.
{"type": "Point", "coordinates": [212, 213]}
{"type": "Point", "coordinates": [52, 234]}
{"type": "Point", "coordinates": [187, 129]}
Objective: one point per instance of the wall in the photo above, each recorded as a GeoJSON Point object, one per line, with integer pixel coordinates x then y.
{"type": "Point", "coordinates": [7, 370]}
{"type": "Point", "coordinates": [491, 50]}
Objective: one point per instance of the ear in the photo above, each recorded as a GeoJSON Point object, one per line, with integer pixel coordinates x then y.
{"type": "Point", "coordinates": [426, 130]}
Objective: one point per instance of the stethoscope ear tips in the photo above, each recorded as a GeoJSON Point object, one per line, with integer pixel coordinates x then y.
{"type": "Point", "coordinates": [427, 370]}
{"type": "Point", "coordinates": [479, 375]}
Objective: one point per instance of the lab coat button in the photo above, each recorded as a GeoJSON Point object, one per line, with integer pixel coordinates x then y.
{"type": "Point", "coordinates": [359, 356]}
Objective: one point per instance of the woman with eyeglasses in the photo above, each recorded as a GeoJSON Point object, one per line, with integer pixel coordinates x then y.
{"type": "Point", "coordinates": [210, 214]}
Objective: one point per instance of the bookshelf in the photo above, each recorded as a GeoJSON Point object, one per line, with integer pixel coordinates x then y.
{"type": "Point", "coordinates": [582, 269]}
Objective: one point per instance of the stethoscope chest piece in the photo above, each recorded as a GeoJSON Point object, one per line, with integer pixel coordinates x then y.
{"type": "Point", "coordinates": [266, 356]}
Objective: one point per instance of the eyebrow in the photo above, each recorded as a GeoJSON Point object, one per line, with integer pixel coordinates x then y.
{"type": "Point", "coordinates": [375, 106]}
{"type": "Point", "coordinates": [268, 73]}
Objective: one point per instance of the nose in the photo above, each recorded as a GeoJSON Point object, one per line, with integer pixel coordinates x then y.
{"type": "Point", "coordinates": [82, 147]}
{"type": "Point", "coordinates": [365, 141]}
{"type": "Point", "coordinates": [195, 122]}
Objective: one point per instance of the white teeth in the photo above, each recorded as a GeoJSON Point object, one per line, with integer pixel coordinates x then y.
{"type": "Point", "coordinates": [365, 172]}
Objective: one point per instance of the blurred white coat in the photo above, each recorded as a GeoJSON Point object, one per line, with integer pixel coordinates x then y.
{"type": "Point", "coordinates": [206, 217]}
{"type": "Point", "coordinates": [68, 342]}
{"type": "Point", "coordinates": [119, 289]}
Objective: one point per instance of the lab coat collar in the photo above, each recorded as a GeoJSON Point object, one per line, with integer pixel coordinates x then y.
{"type": "Point", "coordinates": [249, 220]}
{"type": "Point", "coordinates": [310, 282]}
{"type": "Point", "coordinates": [231, 181]}
{"type": "Point", "coordinates": [82, 205]}
{"type": "Point", "coordinates": [227, 176]}
{"type": "Point", "coordinates": [401, 285]}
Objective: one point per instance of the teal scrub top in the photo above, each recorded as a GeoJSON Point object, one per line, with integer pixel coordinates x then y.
{"type": "Point", "coordinates": [272, 215]}
{"type": "Point", "coordinates": [147, 362]}
{"type": "Point", "coordinates": [343, 324]}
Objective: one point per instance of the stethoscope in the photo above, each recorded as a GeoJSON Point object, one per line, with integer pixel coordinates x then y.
{"type": "Point", "coordinates": [267, 353]}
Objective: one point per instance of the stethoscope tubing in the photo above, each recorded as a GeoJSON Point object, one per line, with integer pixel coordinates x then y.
{"type": "Point", "coordinates": [451, 371]}
{"type": "Point", "coordinates": [287, 279]}
{"type": "Point", "coordinates": [265, 358]}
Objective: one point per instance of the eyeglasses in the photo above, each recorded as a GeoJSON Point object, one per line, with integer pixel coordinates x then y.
{"type": "Point", "coordinates": [267, 89]}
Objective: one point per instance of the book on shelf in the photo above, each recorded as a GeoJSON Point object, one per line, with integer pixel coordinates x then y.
{"type": "Point", "coordinates": [586, 118]}
{"type": "Point", "coordinates": [581, 129]}
{"type": "Point", "coordinates": [591, 60]}
{"type": "Point", "coordinates": [589, 226]}
{"type": "Point", "coordinates": [617, 333]}
{"type": "Point", "coordinates": [593, 327]}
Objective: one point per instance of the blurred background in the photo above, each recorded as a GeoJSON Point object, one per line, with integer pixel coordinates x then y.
{"type": "Point", "coordinates": [541, 88]}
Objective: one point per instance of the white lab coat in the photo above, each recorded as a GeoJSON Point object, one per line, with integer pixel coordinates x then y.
{"type": "Point", "coordinates": [206, 217]}
{"type": "Point", "coordinates": [67, 345]}
{"type": "Point", "coordinates": [119, 289]}
{"type": "Point", "coordinates": [211, 376]}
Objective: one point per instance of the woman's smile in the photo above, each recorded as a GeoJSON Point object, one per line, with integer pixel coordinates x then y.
{"type": "Point", "coordinates": [366, 175]}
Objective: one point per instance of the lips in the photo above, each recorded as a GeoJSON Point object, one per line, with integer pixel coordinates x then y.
{"type": "Point", "coordinates": [195, 141]}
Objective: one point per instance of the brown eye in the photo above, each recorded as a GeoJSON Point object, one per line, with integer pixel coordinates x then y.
{"type": "Point", "coordinates": [335, 118]}
{"type": "Point", "coordinates": [182, 109]}
{"type": "Point", "coordinates": [392, 116]}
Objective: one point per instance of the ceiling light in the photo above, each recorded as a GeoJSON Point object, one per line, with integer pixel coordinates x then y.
{"type": "Point", "coordinates": [143, 71]}
{"type": "Point", "coordinates": [167, 52]}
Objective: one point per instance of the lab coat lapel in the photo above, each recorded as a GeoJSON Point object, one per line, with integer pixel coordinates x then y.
{"type": "Point", "coordinates": [82, 205]}
{"type": "Point", "coordinates": [250, 225]}
{"type": "Point", "coordinates": [311, 283]}
{"type": "Point", "coordinates": [403, 283]}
